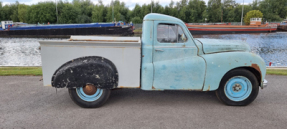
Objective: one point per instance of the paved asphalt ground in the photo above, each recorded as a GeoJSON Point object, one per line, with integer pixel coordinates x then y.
{"type": "Point", "coordinates": [25, 103]}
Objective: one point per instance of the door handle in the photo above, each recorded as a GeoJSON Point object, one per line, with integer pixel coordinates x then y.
{"type": "Point", "coordinates": [159, 50]}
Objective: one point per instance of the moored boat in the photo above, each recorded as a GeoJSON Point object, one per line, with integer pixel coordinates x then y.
{"type": "Point", "coordinates": [283, 25]}
{"type": "Point", "coordinates": [254, 27]}
{"type": "Point", "coordinates": [65, 30]}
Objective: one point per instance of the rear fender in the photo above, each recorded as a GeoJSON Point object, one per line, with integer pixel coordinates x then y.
{"type": "Point", "coordinates": [98, 71]}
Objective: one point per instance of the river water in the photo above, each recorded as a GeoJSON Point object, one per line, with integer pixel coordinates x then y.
{"type": "Point", "coordinates": [272, 47]}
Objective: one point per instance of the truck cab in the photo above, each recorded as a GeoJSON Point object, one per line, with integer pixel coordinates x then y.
{"type": "Point", "coordinates": [167, 57]}
{"type": "Point", "coordinates": [170, 58]}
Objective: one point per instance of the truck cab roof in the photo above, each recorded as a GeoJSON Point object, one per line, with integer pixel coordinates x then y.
{"type": "Point", "coordinates": [160, 17]}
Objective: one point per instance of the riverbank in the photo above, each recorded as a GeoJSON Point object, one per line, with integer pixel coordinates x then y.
{"type": "Point", "coordinates": [37, 71]}
{"type": "Point", "coordinates": [20, 71]}
{"type": "Point", "coordinates": [271, 47]}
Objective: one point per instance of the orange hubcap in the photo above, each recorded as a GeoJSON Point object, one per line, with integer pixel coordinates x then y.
{"type": "Point", "coordinates": [89, 89]}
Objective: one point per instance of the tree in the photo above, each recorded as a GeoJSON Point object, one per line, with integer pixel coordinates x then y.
{"type": "Point", "coordinates": [214, 10]}
{"type": "Point", "coordinates": [171, 10]}
{"type": "Point", "coordinates": [14, 8]}
{"type": "Point", "coordinates": [83, 19]}
{"type": "Point", "coordinates": [182, 14]}
{"type": "Point", "coordinates": [238, 12]}
{"type": "Point", "coordinates": [255, 5]}
{"type": "Point", "coordinates": [85, 7]}
{"type": "Point", "coordinates": [274, 10]}
{"type": "Point", "coordinates": [196, 8]}
{"type": "Point", "coordinates": [68, 13]}
{"type": "Point", "coordinates": [1, 12]}
{"type": "Point", "coordinates": [136, 20]}
{"type": "Point", "coordinates": [157, 8]}
{"type": "Point", "coordinates": [120, 11]}
{"type": "Point", "coordinates": [43, 12]}
{"type": "Point", "coordinates": [252, 14]}
{"type": "Point", "coordinates": [99, 12]}
{"type": "Point", "coordinates": [228, 10]}
{"type": "Point", "coordinates": [137, 11]}
{"type": "Point", "coordinates": [22, 12]}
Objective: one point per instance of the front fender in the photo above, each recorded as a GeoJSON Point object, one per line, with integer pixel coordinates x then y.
{"type": "Point", "coordinates": [218, 64]}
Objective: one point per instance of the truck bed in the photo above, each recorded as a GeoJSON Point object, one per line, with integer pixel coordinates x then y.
{"type": "Point", "coordinates": [124, 52]}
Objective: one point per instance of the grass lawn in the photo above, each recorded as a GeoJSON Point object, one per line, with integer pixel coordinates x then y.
{"type": "Point", "coordinates": [37, 71]}
{"type": "Point", "coordinates": [21, 71]}
{"type": "Point", "coordinates": [277, 72]}
{"type": "Point", "coordinates": [138, 31]}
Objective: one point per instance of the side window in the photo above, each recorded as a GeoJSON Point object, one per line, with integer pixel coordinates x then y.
{"type": "Point", "coordinates": [170, 33]}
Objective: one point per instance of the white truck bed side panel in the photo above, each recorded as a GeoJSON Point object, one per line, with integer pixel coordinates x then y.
{"type": "Point", "coordinates": [125, 55]}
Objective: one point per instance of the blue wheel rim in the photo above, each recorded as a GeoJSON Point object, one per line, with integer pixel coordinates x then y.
{"type": "Point", "coordinates": [238, 88]}
{"type": "Point", "coordinates": [89, 98]}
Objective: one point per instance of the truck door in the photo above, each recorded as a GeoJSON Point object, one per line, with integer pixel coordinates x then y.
{"type": "Point", "coordinates": [176, 63]}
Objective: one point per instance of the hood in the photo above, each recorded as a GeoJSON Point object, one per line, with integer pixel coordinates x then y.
{"type": "Point", "coordinates": [218, 45]}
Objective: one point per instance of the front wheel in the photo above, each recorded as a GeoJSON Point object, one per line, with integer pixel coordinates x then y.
{"type": "Point", "coordinates": [89, 96]}
{"type": "Point", "coordinates": [238, 88]}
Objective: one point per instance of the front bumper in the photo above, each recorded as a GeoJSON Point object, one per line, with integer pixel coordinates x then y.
{"type": "Point", "coordinates": [264, 84]}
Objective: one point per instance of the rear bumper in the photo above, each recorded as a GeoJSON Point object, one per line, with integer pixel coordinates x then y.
{"type": "Point", "coordinates": [264, 84]}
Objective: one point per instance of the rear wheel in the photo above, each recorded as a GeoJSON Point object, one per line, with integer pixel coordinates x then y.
{"type": "Point", "coordinates": [89, 96]}
{"type": "Point", "coordinates": [238, 88]}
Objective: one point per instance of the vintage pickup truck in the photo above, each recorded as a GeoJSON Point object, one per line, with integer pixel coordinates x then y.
{"type": "Point", "coordinates": [166, 58]}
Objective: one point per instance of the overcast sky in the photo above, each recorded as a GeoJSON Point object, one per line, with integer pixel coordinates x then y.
{"type": "Point", "coordinates": [129, 3]}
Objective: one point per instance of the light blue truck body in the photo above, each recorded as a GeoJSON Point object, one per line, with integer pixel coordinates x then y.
{"type": "Point", "coordinates": [167, 57]}
{"type": "Point", "coordinates": [196, 64]}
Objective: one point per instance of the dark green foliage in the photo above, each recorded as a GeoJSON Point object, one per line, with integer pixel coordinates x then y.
{"type": "Point", "coordinates": [120, 12]}
{"type": "Point", "coordinates": [99, 13]}
{"type": "Point", "coordinates": [68, 13]}
{"type": "Point", "coordinates": [84, 11]}
{"type": "Point", "coordinates": [1, 12]}
{"type": "Point", "coordinates": [136, 20]}
{"type": "Point", "coordinates": [22, 12]}
{"type": "Point", "coordinates": [83, 19]}
{"type": "Point", "coordinates": [214, 10]}
{"type": "Point", "coordinates": [9, 11]}
{"type": "Point", "coordinates": [14, 16]}
{"type": "Point", "coordinates": [43, 12]}
{"type": "Point", "coordinates": [195, 10]}
{"type": "Point", "coordinates": [273, 10]}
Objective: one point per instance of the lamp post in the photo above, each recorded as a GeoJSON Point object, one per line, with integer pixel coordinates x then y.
{"type": "Point", "coordinates": [56, 11]}
{"type": "Point", "coordinates": [151, 6]}
{"type": "Point", "coordinates": [113, 11]}
{"type": "Point", "coordinates": [242, 12]}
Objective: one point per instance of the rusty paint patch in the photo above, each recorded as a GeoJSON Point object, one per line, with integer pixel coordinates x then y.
{"type": "Point", "coordinates": [255, 66]}
{"type": "Point", "coordinates": [128, 87]}
{"type": "Point", "coordinates": [153, 87]}
{"type": "Point", "coordinates": [208, 88]}
{"type": "Point", "coordinates": [193, 90]}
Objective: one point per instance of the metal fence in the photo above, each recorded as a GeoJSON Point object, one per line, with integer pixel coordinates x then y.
{"type": "Point", "coordinates": [217, 23]}
{"type": "Point", "coordinates": [138, 26]}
